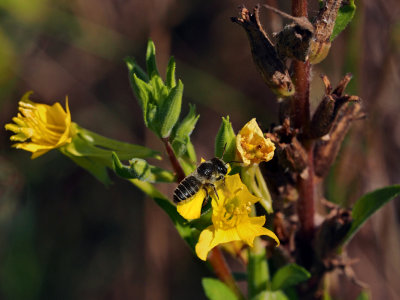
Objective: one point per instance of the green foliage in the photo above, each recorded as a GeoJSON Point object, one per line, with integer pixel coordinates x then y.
{"type": "Point", "coordinates": [180, 137]}
{"type": "Point", "coordinates": [169, 110]}
{"type": "Point", "coordinates": [364, 295]}
{"type": "Point", "coordinates": [142, 170]}
{"type": "Point", "coordinates": [92, 152]}
{"type": "Point", "coordinates": [182, 226]}
{"type": "Point", "coordinates": [225, 139]}
{"type": "Point", "coordinates": [271, 295]}
{"type": "Point", "coordinates": [160, 103]}
{"type": "Point", "coordinates": [344, 17]}
{"type": "Point", "coordinates": [368, 204]}
{"type": "Point", "coordinates": [288, 276]}
{"type": "Point", "coordinates": [216, 290]}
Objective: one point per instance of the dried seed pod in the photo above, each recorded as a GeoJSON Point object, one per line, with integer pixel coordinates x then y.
{"type": "Point", "coordinates": [328, 109]}
{"type": "Point", "coordinates": [323, 28]}
{"type": "Point", "coordinates": [294, 40]}
{"type": "Point", "coordinates": [271, 67]}
{"type": "Point", "coordinates": [325, 151]}
{"type": "Point", "coordinates": [292, 155]}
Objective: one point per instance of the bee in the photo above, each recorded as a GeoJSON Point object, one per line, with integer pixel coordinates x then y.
{"type": "Point", "coordinates": [206, 174]}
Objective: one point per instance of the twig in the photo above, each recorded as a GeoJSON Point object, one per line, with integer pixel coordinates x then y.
{"type": "Point", "coordinates": [180, 174]}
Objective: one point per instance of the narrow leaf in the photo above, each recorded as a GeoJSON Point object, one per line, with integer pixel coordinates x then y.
{"type": "Point", "coordinates": [169, 111]}
{"type": "Point", "coordinates": [142, 92]}
{"type": "Point", "coordinates": [364, 295]}
{"type": "Point", "coordinates": [181, 135]}
{"type": "Point", "coordinates": [271, 295]}
{"type": "Point", "coordinates": [344, 17]}
{"type": "Point", "coordinates": [120, 147]}
{"type": "Point", "coordinates": [151, 60]}
{"type": "Point", "coordinates": [182, 226]}
{"type": "Point", "coordinates": [217, 290]}
{"type": "Point", "coordinates": [98, 170]}
{"type": "Point", "coordinates": [368, 204]}
{"type": "Point", "coordinates": [134, 68]}
{"type": "Point", "coordinates": [171, 81]}
{"type": "Point", "coordinates": [289, 275]}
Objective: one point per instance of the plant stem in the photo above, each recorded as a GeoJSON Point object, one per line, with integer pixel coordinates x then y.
{"type": "Point", "coordinates": [300, 116]}
{"type": "Point", "coordinates": [216, 259]}
{"type": "Point", "coordinates": [300, 104]}
{"type": "Point", "coordinates": [180, 174]}
{"type": "Point", "coordinates": [305, 205]}
{"type": "Point", "coordinates": [223, 272]}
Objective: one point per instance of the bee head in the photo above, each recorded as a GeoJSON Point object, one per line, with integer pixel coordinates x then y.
{"type": "Point", "coordinates": [219, 165]}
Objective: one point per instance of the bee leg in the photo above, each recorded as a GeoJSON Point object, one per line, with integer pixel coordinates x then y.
{"type": "Point", "coordinates": [213, 186]}
{"type": "Point", "coordinates": [206, 198]}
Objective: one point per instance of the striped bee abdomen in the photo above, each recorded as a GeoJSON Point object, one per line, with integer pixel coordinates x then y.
{"type": "Point", "coordinates": [187, 188]}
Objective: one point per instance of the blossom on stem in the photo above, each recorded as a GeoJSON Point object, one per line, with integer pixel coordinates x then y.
{"type": "Point", "coordinates": [252, 147]}
{"type": "Point", "coordinates": [40, 128]}
{"type": "Point", "coordinates": [231, 220]}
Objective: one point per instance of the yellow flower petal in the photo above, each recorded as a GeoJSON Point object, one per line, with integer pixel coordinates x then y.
{"type": "Point", "coordinates": [252, 147]}
{"type": "Point", "coordinates": [191, 208]}
{"type": "Point", "coordinates": [230, 218]}
{"type": "Point", "coordinates": [203, 245]}
{"type": "Point", "coordinates": [41, 127]}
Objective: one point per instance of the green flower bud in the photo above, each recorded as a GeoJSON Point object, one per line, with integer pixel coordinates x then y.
{"type": "Point", "coordinates": [142, 170]}
{"type": "Point", "coordinates": [225, 141]}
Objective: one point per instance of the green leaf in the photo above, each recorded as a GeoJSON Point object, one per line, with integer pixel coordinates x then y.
{"type": "Point", "coordinates": [121, 148]}
{"type": "Point", "coordinates": [134, 68]}
{"type": "Point", "coordinates": [93, 166]}
{"type": "Point", "coordinates": [142, 92]}
{"type": "Point", "coordinates": [159, 90]}
{"type": "Point", "coordinates": [289, 275]}
{"type": "Point", "coordinates": [169, 111]}
{"type": "Point", "coordinates": [344, 17]}
{"type": "Point", "coordinates": [271, 295]}
{"type": "Point", "coordinates": [225, 140]}
{"type": "Point", "coordinates": [368, 204]}
{"type": "Point", "coordinates": [151, 60]}
{"type": "Point", "coordinates": [171, 81]}
{"type": "Point", "coordinates": [257, 270]}
{"type": "Point", "coordinates": [181, 224]}
{"type": "Point", "coordinates": [181, 133]}
{"type": "Point", "coordinates": [217, 290]}
{"type": "Point", "coordinates": [142, 170]}
{"type": "Point", "coordinates": [364, 295]}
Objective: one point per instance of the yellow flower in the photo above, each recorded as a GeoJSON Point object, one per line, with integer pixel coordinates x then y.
{"type": "Point", "coordinates": [230, 218]}
{"type": "Point", "coordinates": [252, 147]}
{"type": "Point", "coordinates": [40, 128]}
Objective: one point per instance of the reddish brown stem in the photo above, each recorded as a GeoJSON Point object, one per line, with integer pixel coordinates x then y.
{"type": "Point", "coordinates": [180, 174]}
{"type": "Point", "coordinates": [216, 259]}
{"type": "Point", "coordinates": [305, 205]}
{"type": "Point", "coordinates": [222, 271]}
{"type": "Point", "coordinates": [300, 105]}
{"type": "Point", "coordinates": [300, 115]}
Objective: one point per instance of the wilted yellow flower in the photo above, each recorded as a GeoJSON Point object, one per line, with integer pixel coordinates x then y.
{"type": "Point", "coordinates": [231, 219]}
{"type": "Point", "coordinates": [40, 128]}
{"type": "Point", "coordinates": [252, 147]}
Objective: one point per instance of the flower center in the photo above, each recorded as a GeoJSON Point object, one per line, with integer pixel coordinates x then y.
{"type": "Point", "coordinates": [232, 213]}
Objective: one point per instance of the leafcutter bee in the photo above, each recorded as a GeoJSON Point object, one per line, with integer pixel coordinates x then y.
{"type": "Point", "coordinates": [206, 175]}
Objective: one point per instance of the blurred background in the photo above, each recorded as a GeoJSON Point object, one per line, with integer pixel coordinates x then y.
{"type": "Point", "coordinates": [63, 235]}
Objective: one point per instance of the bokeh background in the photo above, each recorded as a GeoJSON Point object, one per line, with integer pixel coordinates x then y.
{"type": "Point", "coordinates": [65, 236]}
